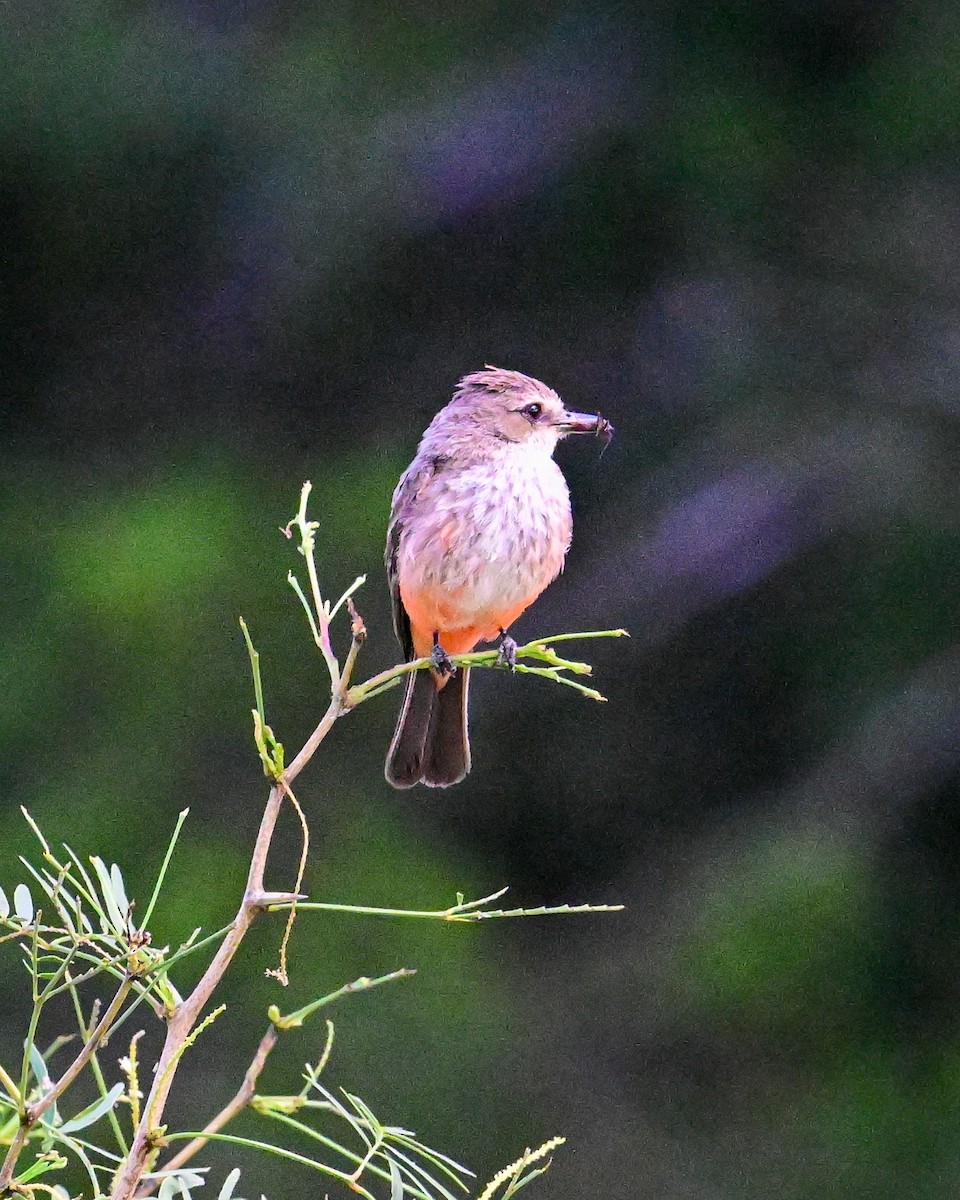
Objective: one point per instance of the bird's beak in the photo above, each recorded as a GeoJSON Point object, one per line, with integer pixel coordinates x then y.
{"type": "Point", "coordinates": [574, 422]}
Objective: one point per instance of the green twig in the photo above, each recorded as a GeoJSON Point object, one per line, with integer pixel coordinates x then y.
{"type": "Point", "coordinates": [269, 749]}
{"type": "Point", "coordinates": [12, 1090]}
{"type": "Point", "coordinates": [255, 669]}
{"type": "Point", "coordinates": [289, 1155]}
{"type": "Point", "coordinates": [363, 984]}
{"type": "Point", "coordinates": [181, 817]}
{"type": "Point", "coordinates": [319, 612]}
{"type": "Point", "coordinates": [86, 1031]}
{"type": "Point", "coordinates": [471, 911]}
{"type": "Point", "coordinates": [538, 649]}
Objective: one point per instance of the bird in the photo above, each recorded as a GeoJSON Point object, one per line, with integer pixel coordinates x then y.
{"type": "Point", "coordinates": [480, 524]}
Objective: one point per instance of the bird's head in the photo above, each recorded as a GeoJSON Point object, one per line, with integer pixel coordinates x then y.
{"type": "Point", "coordinates": [515, 408]}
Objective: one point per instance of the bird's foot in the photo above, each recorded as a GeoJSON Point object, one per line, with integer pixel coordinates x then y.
{"type": "Point", "coordinates": [442, 662]}
{"type": "Point", "coordinates": [507, 652]}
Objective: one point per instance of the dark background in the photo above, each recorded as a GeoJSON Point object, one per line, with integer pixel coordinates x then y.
{"type": "Point", "coordinates": [245, 244]}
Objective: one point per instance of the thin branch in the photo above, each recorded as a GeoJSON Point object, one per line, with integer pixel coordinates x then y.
{"type": "Point", "coordinates": [36, 1111]}
{"type": "Point", "coordinates": [465, 918]}
{"type": "Point", "coordinates": [281, 973]}
{"type": "Point", "coordinates": [311, 744]}
{"type": "Point", "coordinates": [357, 583]}
{"type": "Point", "coordinates": [537, 649]}
{"type": "Point", "coordinates": [33, 1112]}
{"type": "Point", "coordinates": [358, 636]}
{"type": "Point", "coordinates": [319, 614]}
{"type": "Point", "coordinates": [463, 911]}
{"type": "Point", "coordinates": [239, 1102]}
{"type": "Point", "coordinates": [188, 1012]}
{"type": "Point", "coordinates": [13, 1153]}
{"type": "Point", "coordinates": [183, 1020]}
{"type": "Point", "coordinates": [363, 984]}
{"type": "Point", "coordinates": [292, 1156]}
{"type": "Point", "coordinates": [10, 1085]}
{"type": "Point", "coordinates": [95, 1067]}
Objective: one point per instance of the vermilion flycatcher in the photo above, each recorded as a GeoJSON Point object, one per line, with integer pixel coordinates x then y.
{"type": "Point", "coordinates": [480, 524]}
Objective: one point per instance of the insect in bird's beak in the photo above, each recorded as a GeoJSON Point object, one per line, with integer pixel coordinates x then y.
{"type": "Point", "coordinates": [574, 422]}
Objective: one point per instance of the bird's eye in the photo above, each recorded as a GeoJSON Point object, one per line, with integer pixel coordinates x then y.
{"type": "Point", "coordinates": [532, 411]}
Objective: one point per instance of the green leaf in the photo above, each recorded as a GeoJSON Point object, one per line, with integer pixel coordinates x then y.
{"type": "Point", "coordinates": [226, 1192]}
{"type": "Point", "coordinates": [43, 1164]}
{"type": "Point", "coordinates": [178, 1183]}
{"type": "Point", "coordinates": [364, 983]}
{"type": "Point", "coordinates": [23, 903]}
{"type": "Point", "coordinates": [116, 914]}
{"type": "Point", "coordinates": [119, 891]}
{"type": "Point", "coordinates": [93, 1112]}
{"type": "Point", "coordinates": [39, 1067]}
{"type": "Point", "coordinates": [181, 817]}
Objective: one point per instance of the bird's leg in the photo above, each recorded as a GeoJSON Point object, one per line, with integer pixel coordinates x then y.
{"type": "Point", "coordinates": [442, 663]}
{"type": "Point", "coordinates": [507, 653]}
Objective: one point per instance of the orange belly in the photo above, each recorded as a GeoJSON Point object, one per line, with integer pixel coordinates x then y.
{"type": "Point", "coordinates": [458, 631]}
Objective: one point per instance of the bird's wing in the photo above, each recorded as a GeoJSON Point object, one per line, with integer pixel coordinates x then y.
{"type": "Point", "coordinates": [404, 500]}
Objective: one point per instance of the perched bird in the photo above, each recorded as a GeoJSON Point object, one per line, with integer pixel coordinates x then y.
{"type": "Point", "coordinates": [480, 524]}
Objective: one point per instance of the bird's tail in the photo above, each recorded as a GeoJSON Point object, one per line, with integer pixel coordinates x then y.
{"type": "Point", "coordinates": [431, 744]}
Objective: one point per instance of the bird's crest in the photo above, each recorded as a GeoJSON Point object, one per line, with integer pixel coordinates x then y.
{"type": "Point", "coordinates": [498, 379]}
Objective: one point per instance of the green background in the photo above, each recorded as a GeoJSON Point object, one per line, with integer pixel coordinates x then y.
{"type": "Point", "coordinates": [245, 244]}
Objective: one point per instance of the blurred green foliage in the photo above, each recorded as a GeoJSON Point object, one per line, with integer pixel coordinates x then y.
{"type": "Point", "coordinates": [251, 243]}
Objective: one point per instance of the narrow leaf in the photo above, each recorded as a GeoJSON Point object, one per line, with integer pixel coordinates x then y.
{"type": "Point", "coordinates": [39, 1067]}
{"type": "Point", "coordinates": [93, 1112]}
{"type": "Point", "coordinates": [114, 914]}
{"type": "Point", "coordinates": [226, 1192]}
{"type": "Point", "coordinates": [178, 1182]}
{"type": "Point", "coordinates": [52, 1162]}
{"type": "Point", "coordinates": [82, 882]}
{"type": "Point", "coordinates": [181, 817]}
{"type": "Point", "coordinates": [119, 890]}
{"type": "Point", "coordinates": [23, 903]}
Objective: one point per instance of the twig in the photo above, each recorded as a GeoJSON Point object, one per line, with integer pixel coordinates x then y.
{"type": "Point", "coordinates": [538, 649]}
{"type": "Point", "coordinates": [32, 1113]}
{"type": "Point", "coordinates": [10, 1085]}
{"type": "Point", "coordinates": [185, 1016]}
{"type": "Point", "coordinates": [456, 915]}
{"type": "Point", "coordinates": [255, 899]}
{"type": "Point", "coordinates": [280, 973]}
{"type": "Point", "coordinates": [363, 984]}
{"type": "Point", "coordinates": [319, 614]}
{"type": "Point", "coordinates": [35, 1111]}
{"type": "Point", "coordinates": [239, 1102]}
{"type": "Point", "coordinates": [85, 1030]}
{"type": "Point", "coordinates": [183, 1019]}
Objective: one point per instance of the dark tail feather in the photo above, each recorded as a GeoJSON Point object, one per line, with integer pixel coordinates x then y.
{"type": "Point", "coordinates": [405, 756]}
{"type": "Point", "coordinates": [446, 755]}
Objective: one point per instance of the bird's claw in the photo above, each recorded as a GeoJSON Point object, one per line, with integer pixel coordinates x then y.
{"type": "Point", "coordinates": [507, 652]}
{"type": "Point", "coordinates": [442, 662]}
